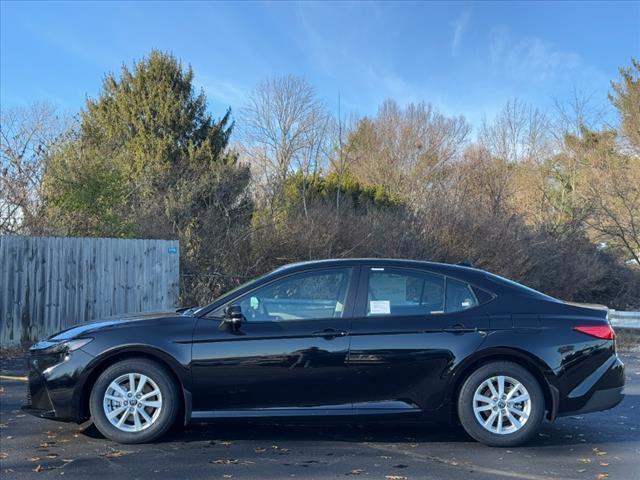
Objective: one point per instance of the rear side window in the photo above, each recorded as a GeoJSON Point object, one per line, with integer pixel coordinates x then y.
{"type": "Point", "coordinates": [402, 292]}
{"type": "Point", "coordinates": [460, 296]}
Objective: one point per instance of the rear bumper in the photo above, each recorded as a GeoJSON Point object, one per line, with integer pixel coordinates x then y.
{"type": "Point", "coordinates": [601, 390]}
{"type": "Point", "coordinates": [601, 400]}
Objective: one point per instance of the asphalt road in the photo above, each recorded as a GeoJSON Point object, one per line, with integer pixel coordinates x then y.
{"type": "Point", "coordinates": [595, 446]}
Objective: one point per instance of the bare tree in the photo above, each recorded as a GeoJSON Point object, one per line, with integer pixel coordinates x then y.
{"type": "Point", "coordinates": [27, 136]}
{"type": "Point", "coordinates": [284, 128]}
{"type": "Point", "coordinates": [518, 133]}
{"type": "Point", "coordinates": [404, 148]}
{"type": "Point", "coordinates": [578, 112]}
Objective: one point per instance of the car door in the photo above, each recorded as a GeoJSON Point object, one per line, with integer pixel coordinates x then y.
{"type": "Point", "coordinates": [290, 352]}
{"type": "Point", "coordinates": [409, 329]}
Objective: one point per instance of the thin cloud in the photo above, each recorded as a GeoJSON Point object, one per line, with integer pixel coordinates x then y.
{"type": "Point", "coordinates": [459, 28]}
{"type": "Point", "coordinates": [531, 58]}
{"type": "Point", "coordinates": [222, 91]}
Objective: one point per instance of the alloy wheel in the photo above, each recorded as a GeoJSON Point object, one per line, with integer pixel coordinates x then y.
{"type": "Point", "coordinates": [132, 402]}
{"type": "Point", "coordinates": [502, 404]}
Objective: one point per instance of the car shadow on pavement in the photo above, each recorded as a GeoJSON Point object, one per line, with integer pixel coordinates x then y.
{"type": "Point", "coordinates": [566, 431]}
{"type": "Point", "coordinates": [226, 430]}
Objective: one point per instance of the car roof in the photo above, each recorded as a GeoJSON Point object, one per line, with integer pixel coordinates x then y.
{"type": "Point", "coordinates": [473, 275]}
{"type": "Point", "coordinates": [445, 268]}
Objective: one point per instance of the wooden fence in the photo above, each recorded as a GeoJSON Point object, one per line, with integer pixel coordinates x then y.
{"type": "Point", "coordinates": [51, 283]}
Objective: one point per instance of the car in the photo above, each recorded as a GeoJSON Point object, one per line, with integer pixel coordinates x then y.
{"type": "Point", "coordinates": [351, 338]}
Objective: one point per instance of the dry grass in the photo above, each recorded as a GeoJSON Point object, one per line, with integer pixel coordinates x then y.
{"type": "Point", "coordinates": [628, 339]}
{"type": "Point", "coordinates": [14, 351]}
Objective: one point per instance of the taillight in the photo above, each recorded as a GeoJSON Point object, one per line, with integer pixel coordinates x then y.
{"type": "Point", "coordinates": [604, 332]}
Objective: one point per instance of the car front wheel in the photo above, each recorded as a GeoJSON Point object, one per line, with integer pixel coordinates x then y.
{"type": "Point", "coordinates": [134, 401]}
{"type": "Point", "coordinates": [501, 404]}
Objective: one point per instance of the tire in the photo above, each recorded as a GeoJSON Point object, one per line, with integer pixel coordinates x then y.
{"type": "Point", "coordinates": [150, 410]}
{"type": "Point", "coordinates": [487, 417]}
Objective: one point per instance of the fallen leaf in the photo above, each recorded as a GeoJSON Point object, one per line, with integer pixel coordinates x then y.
{"type": "Point", "coordinates": [395, 477]}
{"type": "Point", "coordinates": [39, 469]}
{"type": "Point", "coordinates": [225, 461]}
{"type": "Point", "coordinates": [604, 464]}
{"type": "Point", "coordinates": [3, 455]}
{"type": "Point", "coordinates": [52, 455]}
{"type": "Point", "coordinates": [115, 454]}
{"type": "Point", "coordinates": [584, 460]}
{"type": "Point", "coordinates": [34, 459]}
{"type": "Point", "coordinates": [601, 476]}
{"type": "Point", "coordinates": [355, 471]}
{"type": "Point", "coordinates": [259, 449]}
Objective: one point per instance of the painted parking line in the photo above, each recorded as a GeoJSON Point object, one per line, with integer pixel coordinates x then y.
{"type": "Point", "coordinates": [459, 465]}
{"type": "Point", "coordinates": [11, 377]}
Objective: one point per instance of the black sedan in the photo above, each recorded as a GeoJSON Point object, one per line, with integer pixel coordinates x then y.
{"type": "Point", "coordinates": [357, 337]}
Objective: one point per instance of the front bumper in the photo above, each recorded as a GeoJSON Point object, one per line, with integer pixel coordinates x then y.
{"type": "Point", "coordinates": [54, 390]}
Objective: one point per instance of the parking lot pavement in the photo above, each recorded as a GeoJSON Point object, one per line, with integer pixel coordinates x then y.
{"type": "Point", "coordinates": [595, 446]}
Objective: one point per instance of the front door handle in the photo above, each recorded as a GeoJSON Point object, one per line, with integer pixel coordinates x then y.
{"type": "Point", "coordinates": [329, 333]}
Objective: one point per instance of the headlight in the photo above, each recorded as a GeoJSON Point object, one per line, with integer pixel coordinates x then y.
{"type": "Point", "coordinates": [68, 345]}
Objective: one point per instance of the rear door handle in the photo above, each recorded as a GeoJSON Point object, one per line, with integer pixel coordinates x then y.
{"type": "Point", "coordinates": [329, 333]}
{"type": "Point", "coordinates": [458, 328]}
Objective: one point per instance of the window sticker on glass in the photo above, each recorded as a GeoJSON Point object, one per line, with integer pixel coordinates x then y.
{"type": "Point", "coordinates": [379, 307]}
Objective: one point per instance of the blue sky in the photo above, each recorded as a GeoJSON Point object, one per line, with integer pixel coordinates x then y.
{"type": "Point", "coordinates": [465, 58]}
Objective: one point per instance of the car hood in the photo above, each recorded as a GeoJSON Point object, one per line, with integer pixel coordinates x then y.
{"type": "Point", "coordinates": [120, 320]}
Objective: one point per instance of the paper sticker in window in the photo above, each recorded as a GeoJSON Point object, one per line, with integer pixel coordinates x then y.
{"type": "Point", "coordinates": [379, 307]}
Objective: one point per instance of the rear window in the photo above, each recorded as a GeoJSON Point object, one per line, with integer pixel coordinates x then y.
{"type": "Point", "coordinates": [403, 292]}
{"type": "Point", "coordinates": [510, 284]}
{"type": "Point", "coordinates": [399, 292]}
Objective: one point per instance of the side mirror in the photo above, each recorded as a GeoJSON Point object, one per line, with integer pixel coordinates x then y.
{"type": "Point", "coordinates": [233, 317]}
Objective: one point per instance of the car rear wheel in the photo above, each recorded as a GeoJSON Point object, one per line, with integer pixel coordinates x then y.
{"type": "Point", "coordinates": [501, 404]}
{"type": "Point", "coordinates": [134, 401]}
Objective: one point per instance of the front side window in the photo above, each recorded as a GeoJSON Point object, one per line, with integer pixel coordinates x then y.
{"type": "Point", "coordinates": [402, 292]}
{"type": "Point", "coordinates": [304, 296]}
